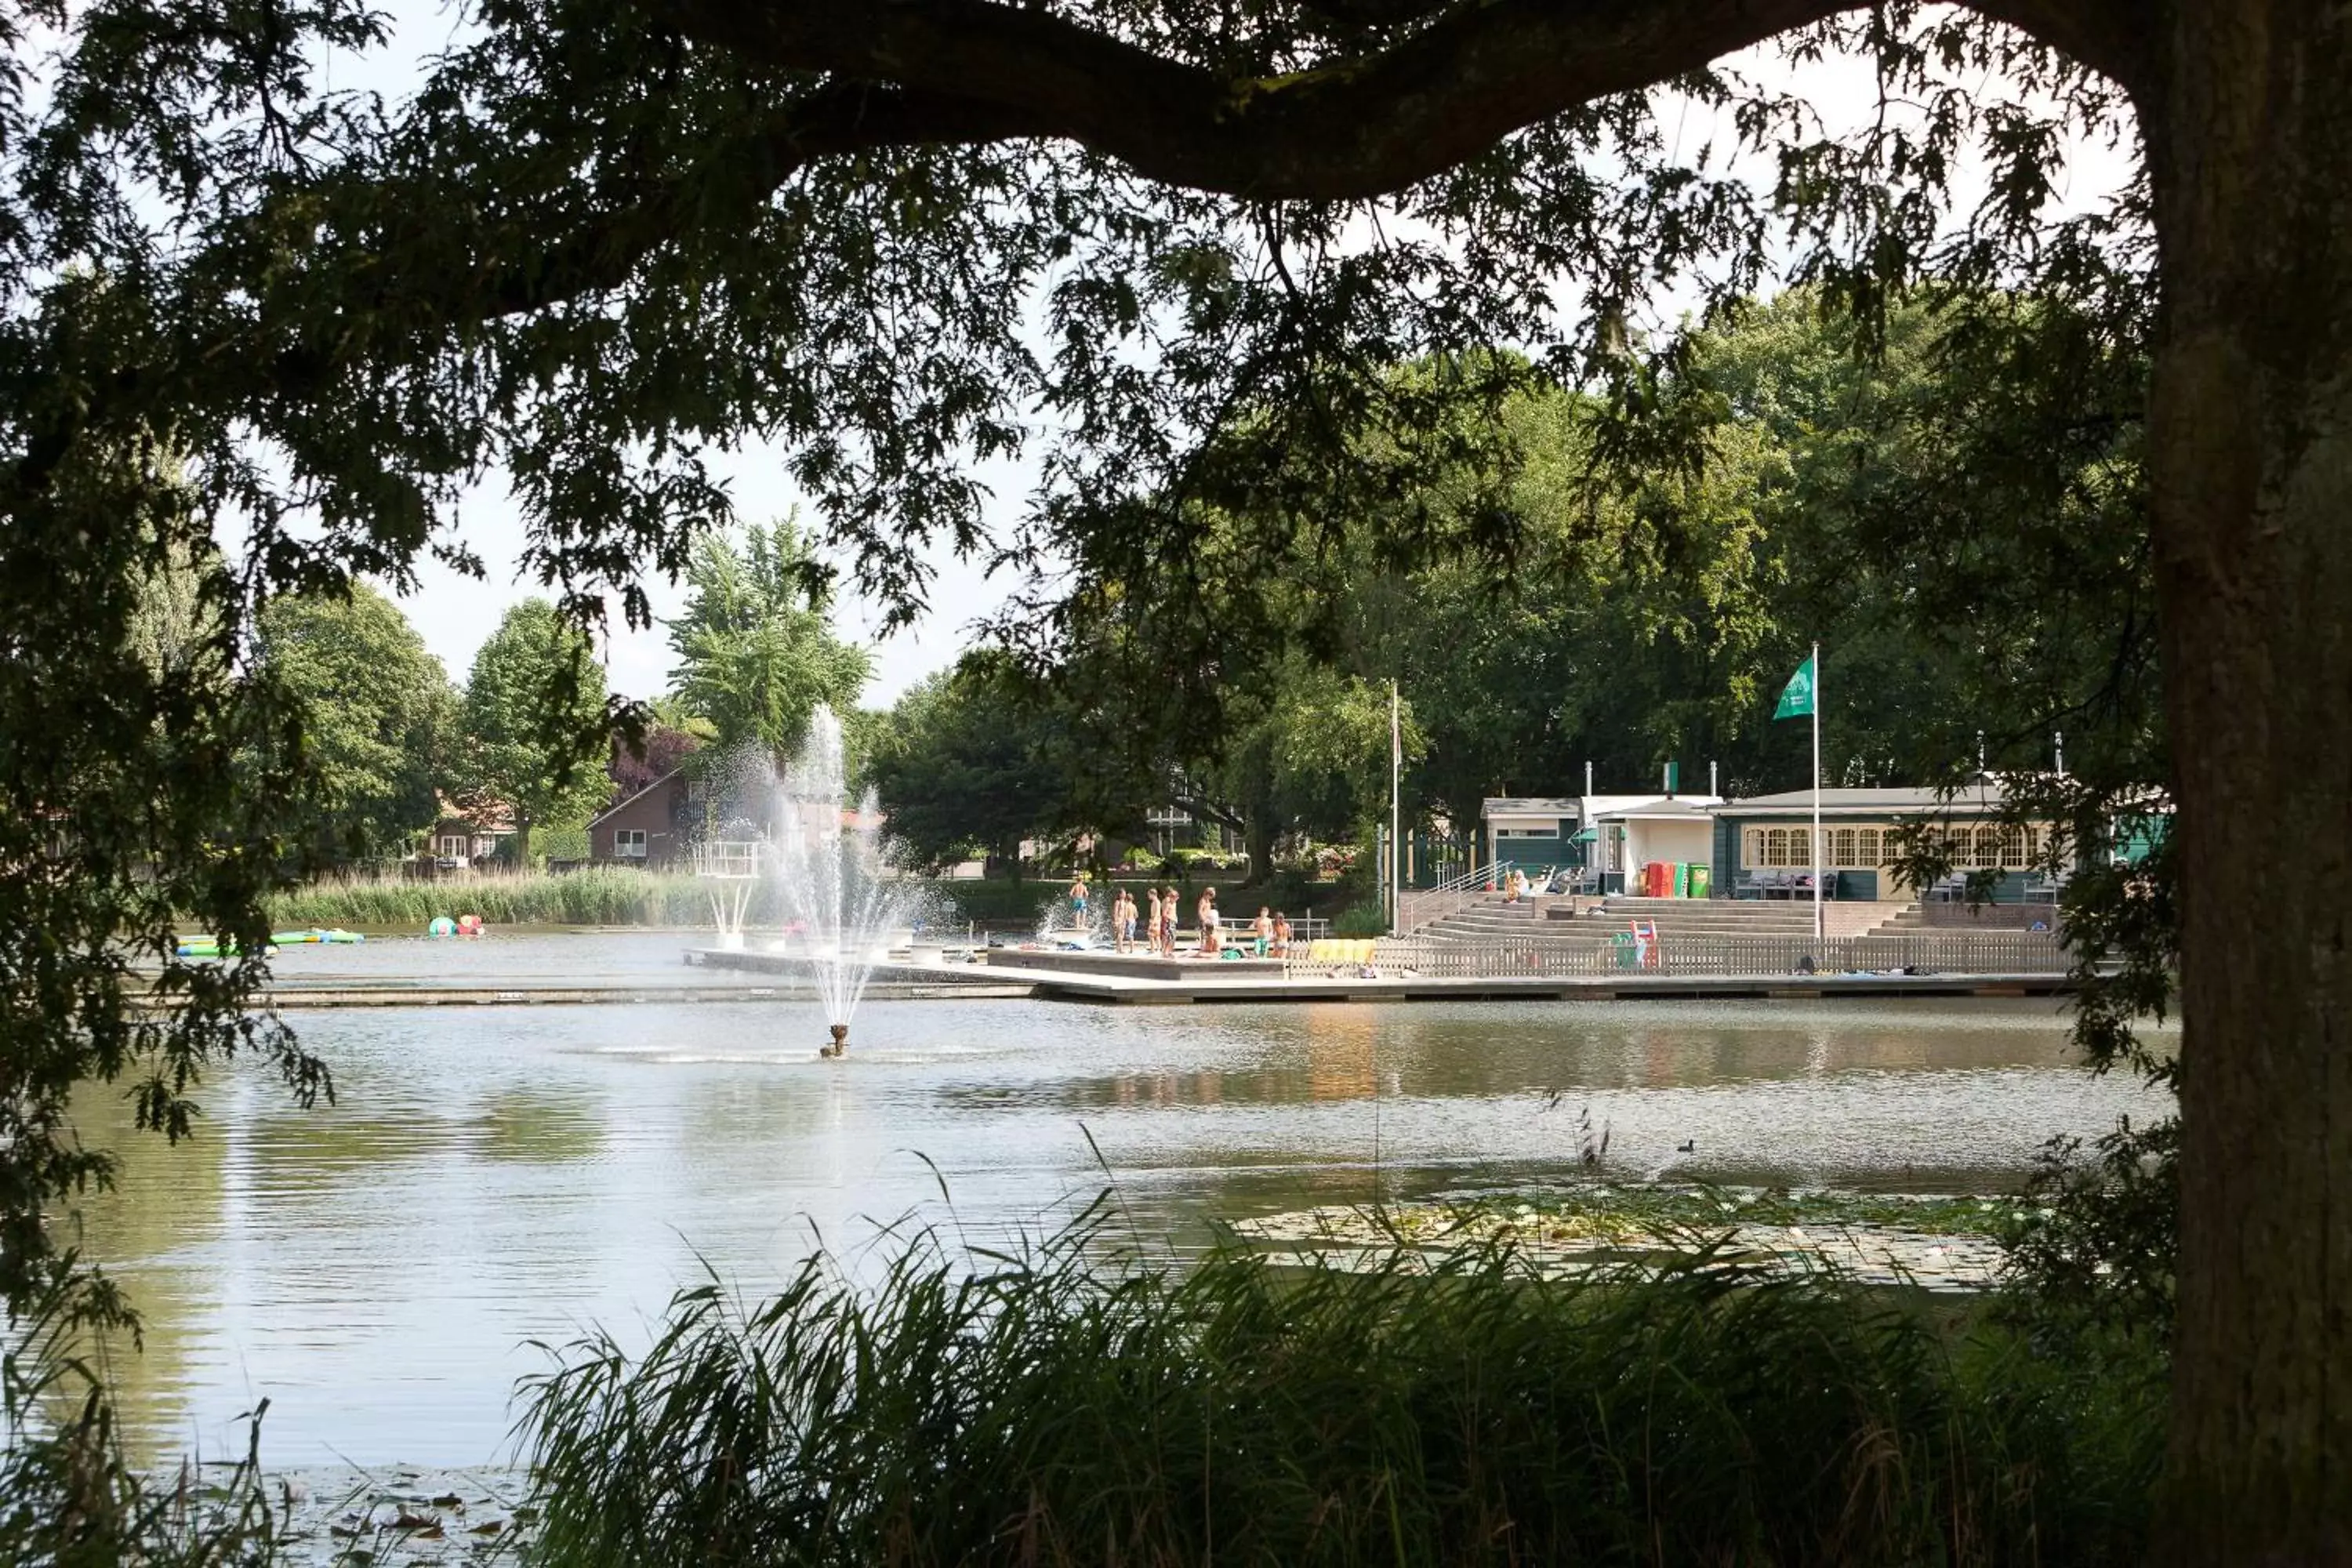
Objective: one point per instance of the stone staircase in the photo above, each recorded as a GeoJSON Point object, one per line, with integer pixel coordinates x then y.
{"type": "Point", "coordinates": [1489, 918]}
{"type": "Point", "coordinates": [1914, 920]}
{"type": "Point", "coordinates": [1698, 937]}
{"type": "Point", "coordinates": [1559, 921]}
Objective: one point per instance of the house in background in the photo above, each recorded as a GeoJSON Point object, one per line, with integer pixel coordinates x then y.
{"type": "Point", "coordinates": [460, 840]}
{"type": "Point", "coordinates": [1531, 830]}
{"type": "Point", "coordinates": [1607, 834]}
{"type": "Point", "coordinates": [1679, 830]}
{"type": "Point", "coordinates": [650, 828]}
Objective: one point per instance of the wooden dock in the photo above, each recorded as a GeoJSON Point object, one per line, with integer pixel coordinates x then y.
{"type": "Point", "coordinates": [290, 998]}
{"type": "Point", "coordinates": [1138, 979]}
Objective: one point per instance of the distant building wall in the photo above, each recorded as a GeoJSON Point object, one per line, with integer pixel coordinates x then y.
{"type": "Point", "coordinates": [648, 829]}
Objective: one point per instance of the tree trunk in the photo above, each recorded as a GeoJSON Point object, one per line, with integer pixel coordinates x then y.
{"type": "Point", "coordinates": [2250, 138]}
{"type": "Point", "coordinates": [1260, 838]}
{"type": "Point", "coordinates": [523, 841]}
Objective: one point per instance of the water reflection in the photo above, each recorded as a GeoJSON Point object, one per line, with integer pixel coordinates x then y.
{"type": "Point", "coordinates": [1353, 1052]}
{"type": "Point", "coordinates": [539, 1125]}
{"type": "Point", "coordinates": [492, 1177]}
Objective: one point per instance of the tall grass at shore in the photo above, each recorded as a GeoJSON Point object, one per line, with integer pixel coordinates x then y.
{"type": "Point", "coordinates": [616, 895]}
{"type": "Point", "coordinates": [594, 895]}
{"type": "Point", "coordinates": [70, 1495]}
{"type": "Point", "coordinates": [1052, 1409]}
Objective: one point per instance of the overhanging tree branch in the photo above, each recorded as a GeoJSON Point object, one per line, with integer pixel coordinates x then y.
{"type": "Point", "coordinates": [1354, 128]}
{"type": "Point", "coordinates": [549, 263]}
{"type": "Point", "coordinates": [515, 267]}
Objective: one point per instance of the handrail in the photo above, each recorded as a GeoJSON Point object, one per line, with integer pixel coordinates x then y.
{"type": "Point", "coordinates": [1457, 883]}
{"type": "Point", "coordinates": [1417, 907]}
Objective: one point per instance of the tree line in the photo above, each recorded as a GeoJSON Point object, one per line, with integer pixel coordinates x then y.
{"type": "Point", "coordinates": [1957, 514]}
{"type": "Point", "coordinates": [388, 744]}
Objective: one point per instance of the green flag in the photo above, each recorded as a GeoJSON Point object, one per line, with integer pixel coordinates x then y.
{"type": "Point", "coordinates": [1797, 700]}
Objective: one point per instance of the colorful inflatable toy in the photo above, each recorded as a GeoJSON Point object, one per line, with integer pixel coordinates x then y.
{"type": "Point", "coordinates": [442, 926]}
{"type": "Point", "coordinates": [469, 925]}
{"type": "Point", "coordinates": [212, 947]}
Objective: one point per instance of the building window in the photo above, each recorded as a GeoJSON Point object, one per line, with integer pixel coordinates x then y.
{"type": "Point", "coordinates": [628, 843]}
{"type": "Point", "coordinates": [451, 847]}
{"type": "Point", "coordinates": [1847, 849]}
{"type": "Point", "coordinates": [1551, 832]}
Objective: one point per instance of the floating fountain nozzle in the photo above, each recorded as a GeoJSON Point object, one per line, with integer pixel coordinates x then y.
{"type": "Point", "coordinates": [840, 1041]}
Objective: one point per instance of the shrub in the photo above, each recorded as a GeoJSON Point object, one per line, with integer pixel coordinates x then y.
{"type": "Point", "coordinates": [995, 901]}
{"type": "Point", "coordinates": [1054, 1407]}
{"type": "Point", "coordinates": [1360, 920]}
{"type": "Point", "coordinates": [1196, 862]}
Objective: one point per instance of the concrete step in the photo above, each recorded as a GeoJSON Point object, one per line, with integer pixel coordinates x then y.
{"type": "Point", "coordinates": [1696, 922]}
{"type": "Point", "coordinates": [1549, 932]}
{"type": "Point", "coordinates": [1441, 932]}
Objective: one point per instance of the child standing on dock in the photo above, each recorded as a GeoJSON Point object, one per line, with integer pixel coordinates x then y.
{"type": "Point", "coordinates": [1152, 932]}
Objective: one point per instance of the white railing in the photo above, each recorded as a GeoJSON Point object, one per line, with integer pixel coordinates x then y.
{"type": "Point", "coordinates": [729, 858]}
{"type": "Point", "coordinates": [1936, 953]}
{"type": "Point", "coordinates": [1417, 907]}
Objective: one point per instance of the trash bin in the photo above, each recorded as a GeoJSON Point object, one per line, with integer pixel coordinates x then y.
{"type": "Point", "coordinates": [1682, 878]}
{"type": "Point", "coordinates": [1701, 880]}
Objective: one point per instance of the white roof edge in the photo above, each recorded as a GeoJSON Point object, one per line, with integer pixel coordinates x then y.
{"type": "Point", "coordinates": [639, 795]}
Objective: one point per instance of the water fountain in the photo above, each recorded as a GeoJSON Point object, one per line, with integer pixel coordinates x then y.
{"type": "Point", "coordinates": [841, 901]}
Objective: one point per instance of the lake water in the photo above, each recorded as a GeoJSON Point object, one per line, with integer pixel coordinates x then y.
{"type": "Point", "coordinates": [492, 1177]}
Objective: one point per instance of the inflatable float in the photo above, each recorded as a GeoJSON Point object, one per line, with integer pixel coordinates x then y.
{"type": "Point", "coordinates": [213, 947]}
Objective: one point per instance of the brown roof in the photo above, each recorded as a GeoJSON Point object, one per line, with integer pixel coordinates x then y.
{"type": "Point", "coordinates": [483, 816]}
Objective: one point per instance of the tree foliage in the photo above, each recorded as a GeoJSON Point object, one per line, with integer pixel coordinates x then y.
{"type": "Point", "coordinates": [756, 653]}
{"type": "Point", "coordinates": [142, 768]}
{"type": "Point", "coordinates": [1969, 546]}
{"type": "Point", "coordinates": [536, 722]}
{"type": "Point", "coordinates": [378, 719]}
{"type": "Point", "coordinates": [962, 764]}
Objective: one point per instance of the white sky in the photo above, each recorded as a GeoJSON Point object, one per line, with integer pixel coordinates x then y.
{"type": "Point", "coordinates": [454, 613]}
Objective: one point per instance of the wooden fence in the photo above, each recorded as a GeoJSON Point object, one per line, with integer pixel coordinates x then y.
{"type": "Point", "coordinates": [1932, 953]}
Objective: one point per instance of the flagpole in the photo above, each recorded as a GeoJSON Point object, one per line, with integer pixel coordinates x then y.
{"type": "Point", "coordinates": [1396, 816]}
{"type": "Point", "coordinates": [1818, 922]}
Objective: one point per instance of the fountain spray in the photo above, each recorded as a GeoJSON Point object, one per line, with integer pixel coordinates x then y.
{"type": "Point", "coordinates": [835, 879]}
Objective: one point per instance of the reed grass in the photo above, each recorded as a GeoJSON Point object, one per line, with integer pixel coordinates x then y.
{"type": "Point", "coordinates": [605, 895]}
{"type": "Point", "coordinates": [1054, 1408]}
{"type": "Point", "coordinates": [70, 1496]}
{"type": "Point", "coordinates": [594, 895]}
